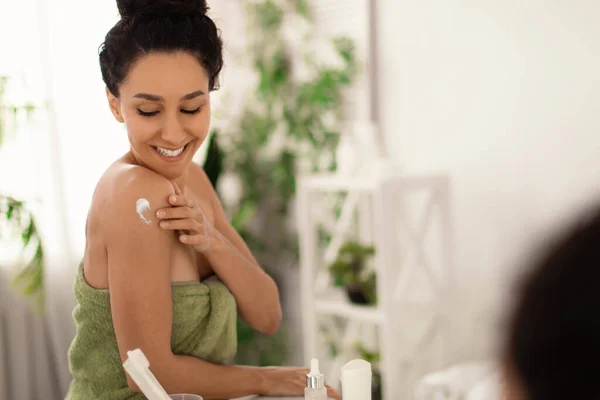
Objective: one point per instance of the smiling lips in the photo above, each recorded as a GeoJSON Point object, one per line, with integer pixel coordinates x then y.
{"type": "Point", "coordinates": [169, 153]}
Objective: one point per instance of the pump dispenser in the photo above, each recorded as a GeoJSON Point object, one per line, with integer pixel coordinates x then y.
{"type": "Point", "coordinates": [315, 383]}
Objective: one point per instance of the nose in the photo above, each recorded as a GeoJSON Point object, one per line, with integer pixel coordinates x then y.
{"type": "Point", "coordinates": [173, 131]}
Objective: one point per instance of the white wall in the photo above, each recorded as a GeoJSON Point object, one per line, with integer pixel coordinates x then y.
{"type": "Point", "coordinates": [505, 97]}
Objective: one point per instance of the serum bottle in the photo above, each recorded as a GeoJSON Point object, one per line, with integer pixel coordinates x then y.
{"type": "Point", "coordinates": [315, 383]}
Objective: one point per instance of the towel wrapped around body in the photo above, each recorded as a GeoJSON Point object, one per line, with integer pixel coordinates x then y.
{"type": "Point", "coordinates": [204, 326]}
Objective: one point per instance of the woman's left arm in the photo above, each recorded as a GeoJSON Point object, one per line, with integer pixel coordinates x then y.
{"type": "Point", "coordinates": [255, 292]}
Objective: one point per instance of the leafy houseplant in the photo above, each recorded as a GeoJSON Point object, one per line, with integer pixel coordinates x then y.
{"type": "Point", "coordinates": [286, 123]}
{"type": "Point", "coordinates": [16, 218]}
{"type": "Point", "coordinates": [348, 271]}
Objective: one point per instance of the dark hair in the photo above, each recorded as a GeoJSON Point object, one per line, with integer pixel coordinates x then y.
{"type": "Point", "coordinates": [553, 344]}
{"type": "Point", "coordinates": [163, 26]}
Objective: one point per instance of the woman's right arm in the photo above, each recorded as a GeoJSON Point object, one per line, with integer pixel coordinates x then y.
{"type": "Point", "coordinates": [140, 295]}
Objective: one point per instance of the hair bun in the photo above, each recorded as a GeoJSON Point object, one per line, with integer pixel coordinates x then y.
{"type": "Point", "coordinates": [132, 8]}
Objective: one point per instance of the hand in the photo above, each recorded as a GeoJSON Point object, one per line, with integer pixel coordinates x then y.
{"type": "Point", "coordinates": [289, 381]}
{"type": "Point", "coordinates": [187, 217]}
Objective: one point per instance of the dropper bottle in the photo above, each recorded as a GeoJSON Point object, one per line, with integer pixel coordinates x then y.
{"type": "Point", "coordinates": [315, 383]}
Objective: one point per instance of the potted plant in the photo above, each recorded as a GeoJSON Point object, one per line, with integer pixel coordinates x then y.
{"type": "Point", "coordinates": [348, 271]}
{"type": "Point", "coordinates": [373, 358]}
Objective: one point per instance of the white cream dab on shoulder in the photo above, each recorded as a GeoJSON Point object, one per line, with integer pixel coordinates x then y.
{"type": "Point", "coordinates": [141, 206]}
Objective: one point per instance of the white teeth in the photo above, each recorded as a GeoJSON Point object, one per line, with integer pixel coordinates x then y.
{"type": "Point", "coordinates": [169, 153]}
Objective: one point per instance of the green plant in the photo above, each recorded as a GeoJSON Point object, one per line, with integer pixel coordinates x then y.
{"type": "Point", "coordinates": [213, 165]}
{"type": "Point", "coordinates": [348, 270]}
{"type": "Point", "coordinates": [370, 356]}
{"type": "Point", "coordinates": [286, 122]}
{"type": "Point", "coordinates": [16, 218]}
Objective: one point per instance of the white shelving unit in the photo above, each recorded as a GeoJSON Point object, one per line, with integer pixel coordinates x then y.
{"type": "Point", "coordinates": [408, 327]}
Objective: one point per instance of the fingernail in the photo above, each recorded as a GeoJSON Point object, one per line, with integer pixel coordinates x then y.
{"type": "Point", "coordinates": [164, 224]}
{"type": "Point", "coordinates": [160, 213]}
{"type": "Point", "coordinates": [172, 199]}
{"type": "Point", "coordinates": [183, 238]}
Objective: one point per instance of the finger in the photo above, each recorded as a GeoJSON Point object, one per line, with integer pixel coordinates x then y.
{"type": "Point", "coordinates": [198, 241]}
{"type": "Point", "coordinates": [179, 212]}
{"type": "Point", "coordinates": [176, 187]}
{"type": "Point", "coordinates": [187, 224]}
{"type": "Point", "coordinates": [331, 392]}
{"type": "Point", "coordinates": [178, 200]}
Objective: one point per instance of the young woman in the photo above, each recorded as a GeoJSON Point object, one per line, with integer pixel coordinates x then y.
{"type": "Point", "coordinates": [163, 269]}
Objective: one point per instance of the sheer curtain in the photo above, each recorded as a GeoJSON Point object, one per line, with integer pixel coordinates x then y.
{"type": "Point", "coordinates": [53, 162]}
{"type": "Point", "coordinates": [33, 361]}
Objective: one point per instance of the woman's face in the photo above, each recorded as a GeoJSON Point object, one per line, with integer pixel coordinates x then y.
{"type": "Point", "coordinates": [165, 105]}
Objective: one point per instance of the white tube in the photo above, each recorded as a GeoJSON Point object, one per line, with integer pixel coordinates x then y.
{"type": "Point", "coordinates": [137, 366]}
{"type": "Point", "coordinates": [356, 380]}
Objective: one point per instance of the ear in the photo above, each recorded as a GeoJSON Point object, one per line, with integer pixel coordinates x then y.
{"type": "Point", "coordinates": [115, 106]}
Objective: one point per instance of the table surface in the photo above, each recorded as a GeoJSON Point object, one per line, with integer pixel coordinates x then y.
{"type": "Point", "coordinates": [256, 397]}
{"type": "Point", "coordinates": [269, 398]}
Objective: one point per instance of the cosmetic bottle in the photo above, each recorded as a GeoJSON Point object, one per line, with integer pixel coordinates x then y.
{"type": "Point", "coordinates": [356, 380]}
{"type": "Point", "coordinates": [315, 383]}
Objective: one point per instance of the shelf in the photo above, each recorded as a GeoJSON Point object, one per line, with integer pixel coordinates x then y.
{"type": "Point", "coordinates": [367, 182]}
{"type": "Point", "coordinates": [374, 209]}
{"type": "Point", "coordinates": [338, 182]}
{"type": "Point", "coordinates": [346, 309]}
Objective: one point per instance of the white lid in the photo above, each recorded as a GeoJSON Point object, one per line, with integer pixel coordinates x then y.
{"type": "Point", "coordinates": [356, 368]}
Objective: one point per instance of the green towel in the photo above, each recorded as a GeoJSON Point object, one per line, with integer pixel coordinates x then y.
{"type": "Point", "coordinates": [204, 326]}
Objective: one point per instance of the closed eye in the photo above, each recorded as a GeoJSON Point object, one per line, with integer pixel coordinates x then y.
{"type": "Point", "coordinates": [191, 111]}
{"type": "Point", "coordinates": [147, 114]}
{"type": "Point", "coordinates": [153, 113]}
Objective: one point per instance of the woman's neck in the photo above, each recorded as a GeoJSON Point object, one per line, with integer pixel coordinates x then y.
{"type": "Point", "coordinates": [181, 182]}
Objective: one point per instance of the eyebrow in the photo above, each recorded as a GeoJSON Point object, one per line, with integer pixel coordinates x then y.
{"type": "Point", "coordinates": [153, 97]}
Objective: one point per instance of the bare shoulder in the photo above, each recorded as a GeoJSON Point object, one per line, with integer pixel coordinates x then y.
{"type": "Point", "coordinates": [203, 184]}
{"type": "Point", "coordinates": [129, 179]}
{"type": "Point", "coordinates": [201, 175]}
{"type": "Point", "coordinates": [128, 197]}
